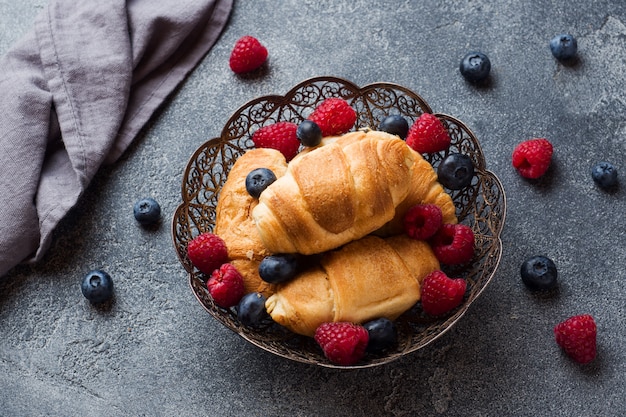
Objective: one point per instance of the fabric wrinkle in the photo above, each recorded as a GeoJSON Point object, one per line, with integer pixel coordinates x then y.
{"type": "Point", "coordinates": [78, 89]}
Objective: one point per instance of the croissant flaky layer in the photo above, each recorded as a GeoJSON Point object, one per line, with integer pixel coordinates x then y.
{"type": "Point", "coordinates": [334, 194]}
{"type": "Point", "coordinates": [365, 279]}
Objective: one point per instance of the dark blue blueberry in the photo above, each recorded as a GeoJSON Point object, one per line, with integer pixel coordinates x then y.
{"type": "Point", "coordinates": [278, 268]}
{"type": "Point", "coordinates": [258, 180]}
{"type": "Point", "coordinates": [539, 273]}
{"type": "Point", "coordinates": [564, 46]}
{"type": "Point", "coordinates": [251, 309]}
{"type": "Point", "coordinates": [475, 67]}
{"type": "Point", "coordinates": [456, 171]}
{"type": "Point", "coordinates": [395, 124]}
{"type": "Point", "coordinates": [604, 174]}
{"type": "Point", "coordinates": [147, 211]}
{"type": "Point", "coordinates": [383, 334]}
{"type": "Point", "coordinates": [309, 133]}
{"type": "Point", "coordinates": [97, 286]}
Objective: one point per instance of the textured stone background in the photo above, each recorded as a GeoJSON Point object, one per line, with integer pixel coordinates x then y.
{"type": "Point", "coordinates": [156, 352]}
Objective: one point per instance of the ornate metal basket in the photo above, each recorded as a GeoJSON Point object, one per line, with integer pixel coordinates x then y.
{"type": "Point", "coordinates": [482, 206]}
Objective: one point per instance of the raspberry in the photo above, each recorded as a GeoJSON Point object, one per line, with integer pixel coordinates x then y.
{"type": "Point", "coordinates": [280, 136]}
{"type": "Point", "coordinates": [532, 158]}
{"type": "Point", "coordinates": [422, 221]}
{"type": "Point", "coordinates": [428, 135]}
{"type": "Point", "coordinates": [453, 244]}
{"type": "Point", "coordinates": [226, 286]}
{"type": "Point", "coordinates": [343, 343]}
{"type": "Point", "coordinates": [247, 55]}
{"type": "Point", "coordinates": [207, 252]}
{"type": "Point", "coordinates": [577, 336]}
{"type": "Point", "coordinates": [441, 294]}
{"type": "Point", "coordinates": [334, 116]}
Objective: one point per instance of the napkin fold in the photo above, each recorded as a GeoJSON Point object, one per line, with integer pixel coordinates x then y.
{"type": "Point", "coordinates": [75, 92]}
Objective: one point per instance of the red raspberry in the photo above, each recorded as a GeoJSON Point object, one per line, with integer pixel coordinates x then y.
{"type": "Point", "coordinates": [226, 286]}
{"type": "Point", "coordinates": [343, 343]}
{"type": "Point", "coordinates": [422, 221]}
{"type": "Point", "coordinates": [453, 244]}
{"type": "Point", "coordinates": [532, 157]}
{"type": "Point", "coordinates": [441, 294]}
{"type": "Point", "coordinates": [247, 55]}
{"type": "Point", "coordinates": [280, 136]}
{"type": "Point", "coordinates": [577, 336]}
{"type": "Point", "coordinates": [207, 252]}
{"type": "Point", "coordinates": [334, 116]}
{"type": "Point", "coordinates": [428, 135]}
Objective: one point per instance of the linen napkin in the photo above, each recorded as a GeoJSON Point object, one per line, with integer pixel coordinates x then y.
{"type": "Point", "coordinates": [75, 92]}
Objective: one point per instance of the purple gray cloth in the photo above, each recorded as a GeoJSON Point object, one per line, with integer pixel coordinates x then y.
{"type": "Point", "coordinates": [75, 92]}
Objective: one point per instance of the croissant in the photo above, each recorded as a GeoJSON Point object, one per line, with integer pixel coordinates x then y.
{"type": "Point", "coordinates": [425, 189]}
{"type": "Point", "coordinates": [233, 222]}
{"type": "Point", "coordinates": [335, 194]}
{"type": "Point", "coordinates": [365, 279]}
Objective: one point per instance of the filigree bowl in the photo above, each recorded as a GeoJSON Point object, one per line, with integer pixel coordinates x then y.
{"type": "Point", "coordinates": [481, 205]}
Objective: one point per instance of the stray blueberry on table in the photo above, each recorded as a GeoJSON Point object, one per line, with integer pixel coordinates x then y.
{"type": "Point", "coordinates": [395, 124]}
{"type": "Point", "coordinates": [258, 180]}
{"type": "Point", "coordinates": [97, 286]}
{"type": "Point", "coordinates": [456, 171]}
{"type": "Point", "coordinates": [251, 309]}
{"type": "Point", "coordinates": [309, 133]}
{"type": "Point", "coordinates": [539, 273]}
{"type": "Point", "coordinates": [278, 268]}
{"type": "Point", "coordinates": [564, 46]}
{"type": "Point", "coordinates": [383, 335]}
{"type": "Point", "coordinates": [147, 211]}
{"type": "Point", "coordinates": [475, 67]}
{"type": "Point", "coordinates": [604, 174]}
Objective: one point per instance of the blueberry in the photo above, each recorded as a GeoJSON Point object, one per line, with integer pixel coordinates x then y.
{"type": "Point", "coordinates": [383, 334]}
{"type": "Point", "coordinates": [258, 180]}
{"type": "Point", "coordinates": [147, 211]}
{"type": "Point", "coordinates": [278, 268]}
{"type": "Point", "coordinates": [456, 171]}
{"type": "Point", "coordinates": [604, 174]}
{"type": "Point", "coordinates": [564, 46]}
{"type": "Point", "coordinates": [395, 124]}
{"type": "Point", "coordinates": [251, 309]}
{"type": "Point", "coordinates": [97, 286]}
{"type": "Point", "coordinates": [309, 133]}
{"type": "Point", "coordinates": [539, 273]}
{"type": "Point", "coordinates": [475, 67]}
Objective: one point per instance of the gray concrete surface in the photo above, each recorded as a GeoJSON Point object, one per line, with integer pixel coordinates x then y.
{"type": "Point", "coordinates": [156, 352]}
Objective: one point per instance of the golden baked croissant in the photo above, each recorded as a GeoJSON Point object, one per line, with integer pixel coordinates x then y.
{"type": "Point", "coordinates": [335, 194]}
{"type": "Point", "coordinates": [233, 222]}
{"type": "Point", "coordinates": [425, 188]}
{"type": "Point", "coordinates": [364, 280]}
